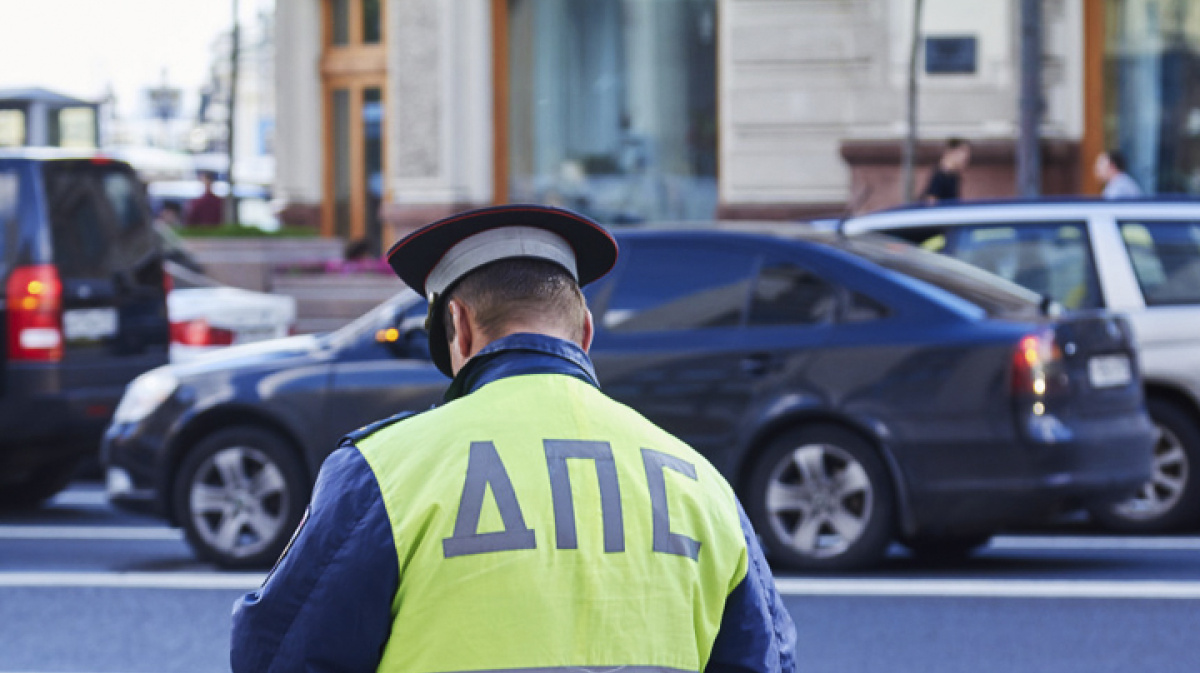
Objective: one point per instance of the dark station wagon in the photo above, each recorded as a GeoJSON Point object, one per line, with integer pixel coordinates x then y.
{"type": "Point", "coordinates": [855, 391]}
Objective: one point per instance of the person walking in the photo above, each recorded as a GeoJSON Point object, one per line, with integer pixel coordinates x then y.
{"type": "Point", "coordinates": [1109, 169]}
{"type": "Point", "coordinates": [529, 523]}
{"type": "Point", "coordinates": [206, 210]}
{"type": "Point", "coordinates": [945, 183]}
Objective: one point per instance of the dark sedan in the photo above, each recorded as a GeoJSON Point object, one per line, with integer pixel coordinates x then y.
{"type": "Point", "coordinates": [855, 391]}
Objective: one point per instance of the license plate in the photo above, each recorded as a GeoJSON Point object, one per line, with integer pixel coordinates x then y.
{"type": "Point", "coordinates": [89, 324]}
{"type": "Point", "coordinates": [252, 334]}
{"type": "Point", "coordinates": [1107, 371]}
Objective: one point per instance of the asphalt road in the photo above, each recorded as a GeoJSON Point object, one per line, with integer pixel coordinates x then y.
{"type": "Point", "coordinates": [84, 589]}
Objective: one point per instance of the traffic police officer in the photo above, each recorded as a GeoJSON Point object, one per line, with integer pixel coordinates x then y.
{"type": "Point", "coordinates": [529, 523]}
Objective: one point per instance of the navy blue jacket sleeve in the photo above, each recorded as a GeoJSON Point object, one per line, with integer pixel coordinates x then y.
{"type": "Point", "coordinates": [757, 634]}
{"type": "Point", "coordinates": [327, 604]}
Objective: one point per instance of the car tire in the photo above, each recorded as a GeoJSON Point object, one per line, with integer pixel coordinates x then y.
{"type": "Point", "coordinates": [1170, 501]}
{"type": "Point", "coordinates": [946, 548]}
{"type": "Point", "coordinates": [821, 498]}
{"type": "Point", "coordinates": [42, 484]}
{"type": "Point", "coordinates": [239, 494]}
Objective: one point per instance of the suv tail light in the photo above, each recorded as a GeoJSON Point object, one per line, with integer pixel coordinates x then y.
{"type": "Point", "coordinates": [199, 333]}
{"type": "Point", "coordinates": [35, 314]}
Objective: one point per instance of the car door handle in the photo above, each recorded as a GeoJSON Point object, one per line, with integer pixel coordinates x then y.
{"type": "Point", "coordinates": [757, 364]}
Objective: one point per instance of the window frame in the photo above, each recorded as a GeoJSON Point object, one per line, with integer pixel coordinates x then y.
{"type": "Point", "coordinates": [955, 234]}
{"type": "Point", "coordinates": [1121, 223]}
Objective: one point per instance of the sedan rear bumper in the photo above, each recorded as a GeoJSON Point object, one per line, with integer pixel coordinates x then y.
{"type": "Point", "coordinates": [1104, 461]}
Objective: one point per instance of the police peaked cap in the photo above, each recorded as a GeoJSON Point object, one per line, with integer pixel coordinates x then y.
{"type": "Point", "coordinates": [435, 257]}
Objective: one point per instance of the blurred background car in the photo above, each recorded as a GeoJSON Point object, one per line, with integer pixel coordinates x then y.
{"type": "Point", "coordinates": [206, 315]}
{"type": "Point", "coordinates": [1136, 257]}
{"type": "Point", "coordinates": [84, 310]}
{"type": "Point", "coordinates": [855, 391]}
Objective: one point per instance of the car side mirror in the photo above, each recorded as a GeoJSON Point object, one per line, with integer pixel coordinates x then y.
{"type": "Point", "coordinates": [407, 339]}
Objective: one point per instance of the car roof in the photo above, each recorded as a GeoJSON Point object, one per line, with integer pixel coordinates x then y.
{"type": "Point", "coordinates": [1058, 208]}
{"type": "Point", "coordinates": [55, 154]}
{"type": "Point", "coordinates": [772, 233]}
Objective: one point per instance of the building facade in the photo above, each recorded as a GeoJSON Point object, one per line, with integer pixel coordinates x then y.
{"type": "Point", "coordinates": [395, 112]}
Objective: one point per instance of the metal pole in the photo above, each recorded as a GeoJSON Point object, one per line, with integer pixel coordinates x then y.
{"type": "Point", "coordinates": [910, 140]}
{"type": "Point", "coordinates": [230, 199]}
{"type": "Point", "coordinates": [1029, 165]}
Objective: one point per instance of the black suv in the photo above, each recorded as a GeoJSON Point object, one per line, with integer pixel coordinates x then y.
{"type": "Point", "coordinates": [84, 311]}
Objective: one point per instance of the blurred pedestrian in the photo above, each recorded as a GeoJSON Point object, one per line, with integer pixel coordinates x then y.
{"type": "Point", "coordinates": [1110, 171]}
{"type": "Point", "coordinates": [208, 209]}
{"type": "Point", "coordinates": [530, 523]}
{"type": "Point", "coordinates": [945, 183]}
{"type": "Point", "coordinates": [170, 215]}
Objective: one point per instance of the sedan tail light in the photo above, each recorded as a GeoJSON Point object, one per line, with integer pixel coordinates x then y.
{"type": "Point", "coordinates": [1037, 365]}
{"type": "Point", "coordinates": [199, 333]}
{"type": "Point", "coordinates": [35, 314]}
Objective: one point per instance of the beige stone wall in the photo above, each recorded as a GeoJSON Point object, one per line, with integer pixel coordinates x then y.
{"type": "Point", "coordinates": [799, 78]}
{"type": "Point", "coordinates": [298, 153]}
{"type": "Point", "coordinates": [439, 101]}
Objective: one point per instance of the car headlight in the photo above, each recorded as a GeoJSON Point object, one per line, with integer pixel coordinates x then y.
{"type": "Point", "coordinates": [145, 394]}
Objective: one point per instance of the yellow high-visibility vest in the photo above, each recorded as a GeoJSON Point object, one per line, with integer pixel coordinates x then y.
{"type": "Point", "coordinates": [538, 524]}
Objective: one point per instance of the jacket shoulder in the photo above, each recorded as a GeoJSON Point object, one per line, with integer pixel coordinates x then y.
{"type": "Point", "coordinates": [353, 438]}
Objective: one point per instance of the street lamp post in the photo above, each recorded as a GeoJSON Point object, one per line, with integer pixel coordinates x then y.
{"type": "Point", "coordinates": [1029, 160]}
{"type": "Point", "coordinates": [230, 123]}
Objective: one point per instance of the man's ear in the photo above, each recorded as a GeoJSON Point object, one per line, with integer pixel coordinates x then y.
{"type": "Point", "coordinates": [589, 330]}
{"type": "Point", "coordinates": [464, 338]}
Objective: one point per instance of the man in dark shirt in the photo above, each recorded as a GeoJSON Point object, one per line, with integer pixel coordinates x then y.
{"type": "Point", "coordinates": [945, 184]}
{"type": "Point", "coordinates": [206, 210]}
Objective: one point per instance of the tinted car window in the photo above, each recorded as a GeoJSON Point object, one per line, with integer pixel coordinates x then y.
{"type": "Point", "coordinates": [987, 291]}
{"type": "Point", "coordinates": [679, 286]}
{"type": "Point", "coordinates": [98, 219]}
{"type": "Point", "coordinates": [785, 294]}
{"type": "Point", "coordinates": [10, 194]}
{"type": "Point", "coordinates": [1052, 259]}
{"type": "Point", "coordinates": [1166, 260]}
{"type": "Point", "coordinates": [862, 308]}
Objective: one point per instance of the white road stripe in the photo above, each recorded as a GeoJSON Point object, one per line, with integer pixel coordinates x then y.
{"type": "Point", "coordinates": [1097, 543]}
{"type": "Point", "coordinates": [244, 581]}
{"type": "Point", "coordinates": [1001, 543]}
{"type": "Point", "coordinates": [130, 533]}
{"type": "Point", "coordinates": [984, 588]}
{"type": "Point", "coordinates": [788, 586]}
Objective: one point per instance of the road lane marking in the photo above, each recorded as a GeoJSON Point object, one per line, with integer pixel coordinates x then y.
{"type": "Point", "coordinates": [124, 533]}
{"type": "Point", "coordinates": [984, 588]}
{"type": "Point", "coordinates": [80, 498]}
{"type": "Point", "coordinates": [243, 581]}
{"type": "Point", "coordinates": [1093, 543]}
{"type": "Point", "coordinates": [788, 586]}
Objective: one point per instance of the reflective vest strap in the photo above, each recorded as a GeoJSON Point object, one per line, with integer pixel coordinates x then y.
{"type": "Point", "coordinates": [585, 670]}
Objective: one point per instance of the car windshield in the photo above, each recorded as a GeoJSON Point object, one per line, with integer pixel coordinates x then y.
{"type": "Point", "coordinates": [406, 302]}
{"type": "Point", "coordinates": [992, 293]}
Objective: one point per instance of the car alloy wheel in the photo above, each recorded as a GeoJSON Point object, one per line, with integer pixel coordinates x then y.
{"type": "Point", "coordinates": [1162, 493]}
{"type": "Point", "coordinates": [821, 499]}
{"type": "Point", "coordinates": [239, 496]}
{"type": "Point", "coordinates": [1170, 501]}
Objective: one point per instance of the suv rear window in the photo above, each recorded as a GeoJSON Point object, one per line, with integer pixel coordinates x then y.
{"type": "Point", "coordinates": [1052, 259]}
{"type": "Point", "coordinates": [1166, 260]}
{"type": "Point", "coordinates": [98, 218]}
{"type": "Point", "coordinates": [991, 293]}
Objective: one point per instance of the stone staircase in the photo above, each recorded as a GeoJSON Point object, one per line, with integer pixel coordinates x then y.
{"type": "Point", "coordinates": [300, 268]}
